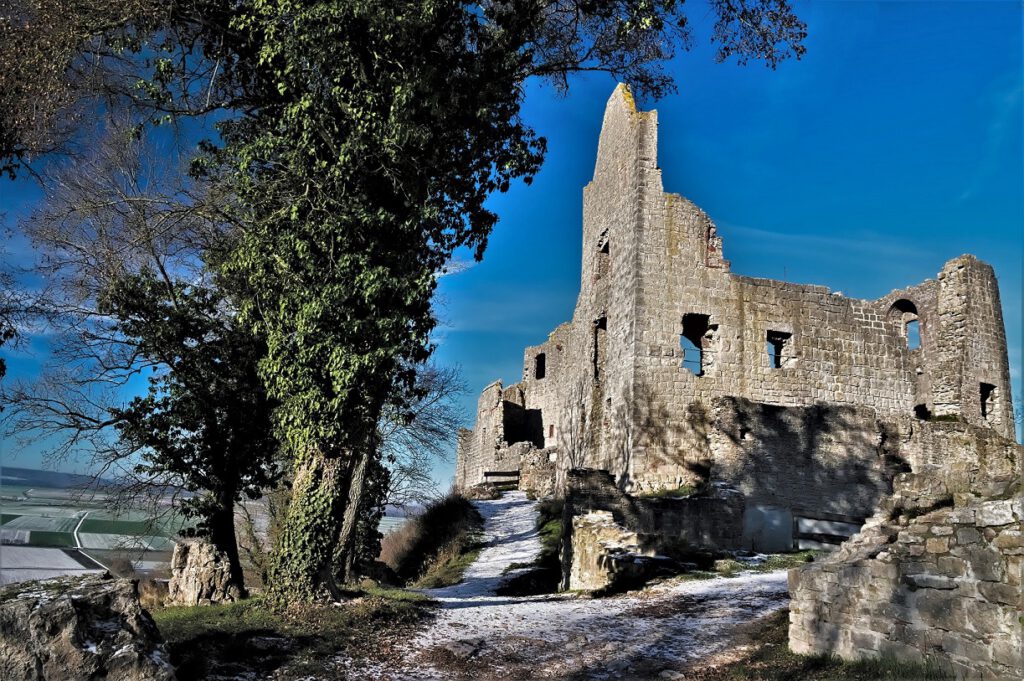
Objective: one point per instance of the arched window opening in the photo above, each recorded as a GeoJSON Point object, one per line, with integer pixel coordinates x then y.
{"type": "Point", "coordinates": [903, 314]}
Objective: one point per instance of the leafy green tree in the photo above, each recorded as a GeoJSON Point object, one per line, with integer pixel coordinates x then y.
{"type": "Point", "coordinates": [206, 419]}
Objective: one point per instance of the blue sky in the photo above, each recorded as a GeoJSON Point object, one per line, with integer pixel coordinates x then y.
{"type": "Point", "coordinates": [894, 145]}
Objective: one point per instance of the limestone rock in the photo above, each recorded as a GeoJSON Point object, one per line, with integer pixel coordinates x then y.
{"type": "Point", "coordinates": [200, 575]}
{"type": "Point", "coordinates": [79, 628]}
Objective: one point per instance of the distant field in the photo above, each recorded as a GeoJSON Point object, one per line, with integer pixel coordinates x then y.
{"type": "Point", "coordinates": [59, 539]}
{"type": "Point", "coordinates": [119, 541]}
{"type": "Point", "coordinates": [42, 523]}
{"type": "Point", "coordinates": [129, 527]}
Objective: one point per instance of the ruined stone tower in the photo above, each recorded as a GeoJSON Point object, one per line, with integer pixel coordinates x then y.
{"type": "Point", "coordinates": [674, 371]}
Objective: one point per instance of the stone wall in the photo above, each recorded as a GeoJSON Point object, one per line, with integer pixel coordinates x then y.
{"type": "Point", "coordinates": [538, 471]}
{"type": "Point", "coordinates": [704, 523]}
{"type": "Point", "coordinates": [936, 573]}
{"type": "Point", "coordinates": [605, 554]}
{"type": "Point", "coordinates": [814, 461]}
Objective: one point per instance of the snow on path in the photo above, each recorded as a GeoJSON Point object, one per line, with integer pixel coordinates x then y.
{"type": "Point", "coordinates": [479, 635]}
{"type": "Point", "coordinates": [511, 536]}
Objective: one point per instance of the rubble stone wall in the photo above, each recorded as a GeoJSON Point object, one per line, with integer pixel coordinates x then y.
{"type": "Point", "coordinates": [708, 522]}
{"type": "Point", "coordinates": [936, 573]}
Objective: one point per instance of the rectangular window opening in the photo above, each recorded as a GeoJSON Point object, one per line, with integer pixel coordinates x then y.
{"type": "Point", "coordinates": [540, 368]}
{"type": "Point", "coordinates": [988, 400]}
{"type": "Point", "coordinates": [600, 343]}
{"type": "Point", "coordinates": [693, 340]}
{"type": "Point", "coordinates": [913, 334]}
{"type": "Point", "coordinates": [779, 345]}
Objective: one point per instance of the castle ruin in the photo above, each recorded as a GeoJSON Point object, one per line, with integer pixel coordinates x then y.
{"type": "Point", "coordinates": [794, 413]}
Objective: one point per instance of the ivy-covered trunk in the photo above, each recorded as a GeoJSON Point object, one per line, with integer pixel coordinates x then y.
{"type": "Point", "coordinates": [303, 566]}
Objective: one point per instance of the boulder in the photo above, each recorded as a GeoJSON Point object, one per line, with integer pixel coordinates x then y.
{"type": "Point", "coordinates": [79, 628]}
{"type": "Point", "coordinates": [200, 575]}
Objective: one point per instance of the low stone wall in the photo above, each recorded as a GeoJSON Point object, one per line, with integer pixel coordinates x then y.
{"type": "Point", "coordinates": [669, 526]}
{"type": "Point", "coordinates": [934, 575]}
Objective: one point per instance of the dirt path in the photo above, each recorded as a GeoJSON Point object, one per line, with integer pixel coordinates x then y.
{"type": "Point", "coordinates": [656, 633]}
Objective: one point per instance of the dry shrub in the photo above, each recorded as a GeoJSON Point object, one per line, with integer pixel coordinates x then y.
{"type": "Point", "coordinates": [445, 526]}
{"type": "Point", "coordinates": [152, 593]}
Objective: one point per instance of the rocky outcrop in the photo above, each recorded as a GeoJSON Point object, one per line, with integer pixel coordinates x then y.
{"type": "Point", "coordinates": [79, 628]}
{"type": "Point", "coordinates": [200, 575]}
{"type": "Point", "coordinates": [605, 555]}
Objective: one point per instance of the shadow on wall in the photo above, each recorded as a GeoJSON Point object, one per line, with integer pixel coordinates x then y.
{"type": "Point", "coordinates": [824, 459]}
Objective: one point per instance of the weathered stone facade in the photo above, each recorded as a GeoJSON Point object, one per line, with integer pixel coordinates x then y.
{"type": "Point", "coordinates": [789, 392]}
{"type": "Point", "coordinates": [936, 573]}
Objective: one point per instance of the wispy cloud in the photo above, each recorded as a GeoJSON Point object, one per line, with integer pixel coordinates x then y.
{"type": "Point", "coordinates": [866, 242]}
{"type": "Point", "coordinates": [1004, 104]}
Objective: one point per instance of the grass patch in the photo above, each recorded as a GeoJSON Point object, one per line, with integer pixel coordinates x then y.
{"type": "Point", "coordinates": [236, 640]}
{"type": "Point", "coordinates": [435, 548]}
{"type": "Point", "coordinates": [448, 566]}
{"type": "Point", "coordinates": [135, 528]}
{"type": "Point", "coordinates": [770, 659]}
{"type": "Point", "coordinates": [729, 567]}
{"type": "Point", "coordinates": [8, 517]}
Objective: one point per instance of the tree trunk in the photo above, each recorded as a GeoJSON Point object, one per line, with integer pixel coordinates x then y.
{"type": "Point", "coordinates": [302, 568]}
{"type": "Point", "coordinates": [222, 536]}
{"type": "Point", "coordinates": [346, 555]}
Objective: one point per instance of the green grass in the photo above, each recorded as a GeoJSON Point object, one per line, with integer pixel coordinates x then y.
{"type": "Point", "coordinates": [775, 561]}
{"type": "Point", "coordinates": [133, 528]}
{"type": "Point", "coordinates": [42, 538]}
{"type": "Point", "coordinates": [231, 640]}
{"type": "Point", "coordinates": [7, 517]}
{"type": "Point", "coordinates": [770, 659]}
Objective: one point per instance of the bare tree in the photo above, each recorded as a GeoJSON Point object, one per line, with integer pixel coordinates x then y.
{"type": "Point", "coordinates": [575, 440]}
{"type": "Point", "coordinates": [413, 441]}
